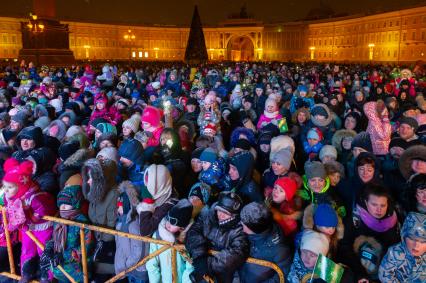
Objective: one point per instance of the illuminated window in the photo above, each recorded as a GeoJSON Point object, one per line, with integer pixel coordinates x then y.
{"type": "Point", "coordinates": [140, 54]}
{"type": "Point", "coordinates": [146, 54]}
{"type": "Point", "coordinates": [133, 54]}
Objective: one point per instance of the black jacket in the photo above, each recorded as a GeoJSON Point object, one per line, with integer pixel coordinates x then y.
{"type": "Point", "coordinates": [228, 240]}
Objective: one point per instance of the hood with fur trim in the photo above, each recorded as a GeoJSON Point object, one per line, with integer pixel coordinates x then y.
{"type": "Point", "coordinates": [308, 221]}
{"type": "Point", "coordinates": [339, 135]}
{"type": "Point", "coordinates": [103, 178]}
{"type": "Point", "coordinates": [412, 153]}
{"type": "Point", "coordinates": [324, 122]}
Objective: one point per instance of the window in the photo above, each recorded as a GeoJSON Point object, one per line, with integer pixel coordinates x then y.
{"type": "Point", "coordinates": [423, 35]}
{"type": "Point", "coordinates": [404, 36]}
{"type": "Point", "coordinates": [397, 23]}
{"type": "Point", "coordinates": [390, 23]}
{"type": "Point", "coordinates": [413, 35]}
{"type": "Point", "coordinates": [388, 53]}
{"type": "Point", "coordinates": [389, 37]}
{"type": "Point", "coordinates": [13, 38]}
{"type": "Point", "coordinates": [394, 54]}
{"type": "Point", "coordinates": [4, 38]}
{"type": "Point", "coordinates": [384, 24]}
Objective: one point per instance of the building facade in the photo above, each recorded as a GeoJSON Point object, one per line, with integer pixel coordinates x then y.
{"type": "Point", "coordinates": [398, 36]}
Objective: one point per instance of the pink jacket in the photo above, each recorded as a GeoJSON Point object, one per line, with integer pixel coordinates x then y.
{"type": "Point", "coordinates": [379, 129]}
{"type": "Point", "coordinates": [155, 139]}
{"type": "Point", "coordinates": [264, 119]}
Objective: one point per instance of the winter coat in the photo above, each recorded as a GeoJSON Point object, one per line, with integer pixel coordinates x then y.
{"type": "Point", "coordinates": [264, 120]}
{"type": "Point", "coordinates": [355, 227]}
{"type": "Point", "coordinates": [149, 219]}
{"type": "Point", "coordinates": [245, 187]}
{"type": "Point", "coordinates": [298, 272]}
{"type": "Point", "coordinates": [112, 115]}
{"type": "Point", "coordinates": [269, 246]}
{"type": "Point", "coordinates": [154, 140]}
{"type": "Point", "coordinates": [398, 265]}
{"type": "Point", "coordinates": [129, 251]}
{"type": "Point", "coordinates": [159, 268]}
{"type": "Point", "coordinates": [102, 194]}
{"type": "Point", "coordinates": [228, 240]}
{"type": "Point", "coordinates": [379, 129]}
{"type": "Point", "coordinates": [72, 252]}
{"type": "Point", "coordinates": [45, 159]}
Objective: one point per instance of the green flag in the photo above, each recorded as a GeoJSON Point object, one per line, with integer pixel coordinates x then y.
{"type": "Point", "coordinates": [327, 270]}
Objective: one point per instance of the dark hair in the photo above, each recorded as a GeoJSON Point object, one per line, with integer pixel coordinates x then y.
{"type": "Point", "coordinates": [409, 200]}
{"type": "Point", "coordinates": [363, 160]}
{"type": "Point", "coordinates": [378, 190]}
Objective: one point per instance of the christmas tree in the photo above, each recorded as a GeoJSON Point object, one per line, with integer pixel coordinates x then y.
{"type": "Point", "coordinates": [196, 51]}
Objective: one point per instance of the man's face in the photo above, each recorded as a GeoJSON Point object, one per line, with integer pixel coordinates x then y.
{"type": "Point", "coordinates": [377, 206]}
{"type": "Point", "coordinates": [223, 215]}
{"type": "Point", "coordinates": [406, 132]}
{"type": "Point", "coordinates": [27, 144]}
{"type": "Point", "coordinates": [418, 166]}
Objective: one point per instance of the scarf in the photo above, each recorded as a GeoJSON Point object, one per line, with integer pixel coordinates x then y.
{"type": "Point", "coordinates": [60, 231]}
{"type": "Point", "coordinates": [378, 225]}
{"type": "Point", "coordinates": [272, 115]}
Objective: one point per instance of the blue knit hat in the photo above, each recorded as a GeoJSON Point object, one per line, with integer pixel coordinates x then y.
{"type": "Point", "coordinates": [208, 155]}
{"type": "Point", "coordinates": [325, 216]}
{"type": "Point", "coordinates": [302, 88]}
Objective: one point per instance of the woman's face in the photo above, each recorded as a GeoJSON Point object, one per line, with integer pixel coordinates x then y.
{"type": "Point", "coordinates": [233, 173]}
{"type": "Point", "coordinates": [278, 168]}
{"type": "Point", "coordinates": [105, 143]}
{"type": "Point", "coordinates": [347, 143]}
{"type": "Point", "coordinates": [278, 194]}
{"type": "Point", "coordinates": [97, 134]}
{"type": "Point", "coordinates": [301, 117]}
{"type": "Point", "coordinates": [366, 173]}
{"type": "Point", "coordinates": [100, 105]}
{"type": "Point", "coordinates": [350, 123]}
{"type": "Point", "coordinates": [377, 206]}
{"type": "Point", "coordinates": [316, 184]}
{"type": "Point", "coordinates": [421, 196]}
{"type": "Point", "coordinates": [196, 165]}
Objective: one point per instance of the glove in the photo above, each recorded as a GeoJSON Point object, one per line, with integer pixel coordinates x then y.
{"type": "Point", "coordinates": [57, 259]}
{"type": "Point", "coordinates": [200, 269]}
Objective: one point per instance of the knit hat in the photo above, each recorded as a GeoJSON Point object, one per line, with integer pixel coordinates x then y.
{"type": "Point", "coordinates": [210, 129]}
{"type": "Point", "coordinates": [315, 242]}
{"type": "Point", "coordinates": [57, 104]}
{"type": "Point", "coordinates": [283, 157]}
{"type": "Point", "coordinates": [243, 144]}
{"type": "Point", "coordinates": [410, 122]}
{"type": "Point", "coordinates": [302, 88]}
{"type": "Point", "coordinates": [208, 155]}
{"type": "Point", "coordinates": [191, 101]}
{"type": "Point", "coordinates": [180, 214]}
{"type": "Point", "coordinates": [315, 134]}
{"type": "Point", "coordinates": [71, 195]}
{"type": "Point", "coordinates": [362, 140]}
{"type": "Point", "coordinates": [200, 190]}
{"type": "Point", "coordinates": [315, 169]}
{"type": "Point", "coordinates": [197, 153]}
{"type": "Point", "coordinates": [110, 153]}
{"type": "Point", "coordinates": [325, 216]}
{"type": "Point", "coordinates": [257, 217]}
{"type": "Point", "coordinates": [19, 174]}
{"type": "Point", "coordinates": [68, 148]}
{"type": "Point", "coordinates": [328, 150]}
{"type": "Point", "coordinates": [152, 116]}
{"type": "Point", "coordinates": [8, 135]}
{"type": "Point", "coordinates": [288, 185]}
{"type": "Point", "coordinates": [132, 123]}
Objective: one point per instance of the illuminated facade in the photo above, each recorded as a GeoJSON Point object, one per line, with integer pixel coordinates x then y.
{"type": "Point", "coordinates": [387, 37]}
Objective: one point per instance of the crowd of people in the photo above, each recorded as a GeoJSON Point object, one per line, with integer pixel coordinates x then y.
{"type": "Point", "coordinates": [278, 162]}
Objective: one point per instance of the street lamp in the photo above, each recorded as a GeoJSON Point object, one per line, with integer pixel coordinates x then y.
{"type": "Point", "coordinates": [129, 37]}
{"type": "Point", "coordinates": [34, 25]}
{"type": "Point", "coordinates": [312, 49]}
{"type": "Point", "coordinates": [371, 51]}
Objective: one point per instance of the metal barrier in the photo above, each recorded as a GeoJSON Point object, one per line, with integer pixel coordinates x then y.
{"type": "Point", "coordinates": [166, 245]}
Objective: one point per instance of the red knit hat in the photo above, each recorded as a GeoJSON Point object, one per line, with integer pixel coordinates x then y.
{"type": "Point", "coordinates": [151, 115]}
{"type": "Point", "coordinates": [101, 98]}
{"type": "Point", "coordinates": [288, 185]}
{"type": "Point", "coordinates": [210, 129]}
{"type": "Point", "coordinates": [19, 174]}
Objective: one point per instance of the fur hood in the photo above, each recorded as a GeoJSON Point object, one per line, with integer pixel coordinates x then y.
{"type": "Point", "coordinates": [336, 141]}
{"type": "Point", "coordinates": [131, 191]}
{"type": "Point", "coordinates": [78, 158]}
{"type": "Point", "coordinates": [327, 121]}
{"type": "Point", "coordinates": [308, 221]}
{"type": "Point", "coordinates": [361, 240]}
{"type": "Point", "coordinates": [102, 174]}
{"type": "Point", "coordinates": [413, 152]}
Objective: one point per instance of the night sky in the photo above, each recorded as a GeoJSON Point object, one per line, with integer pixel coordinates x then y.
{"type": "Point", "coordinates": [178, 12]}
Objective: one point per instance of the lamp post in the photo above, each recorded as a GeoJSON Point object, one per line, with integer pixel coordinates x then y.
{"type": "Point", "coordinates": [129, 37]}
{"type": "Point", "coordinates": [35, 27]}
{"type": "Point", "coordinates": [371, 51]}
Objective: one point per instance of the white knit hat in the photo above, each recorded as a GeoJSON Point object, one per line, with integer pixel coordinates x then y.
{"type": "Point", "coordinates": [315, 242]}
{"type": "Point", "coordinates": [133, 123]}
{"type": "Point", "coordinates": [328, 150]}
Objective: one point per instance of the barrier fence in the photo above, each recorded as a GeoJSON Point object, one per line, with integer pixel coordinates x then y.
{"type": "Point", "coordinates": [166, 245]}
